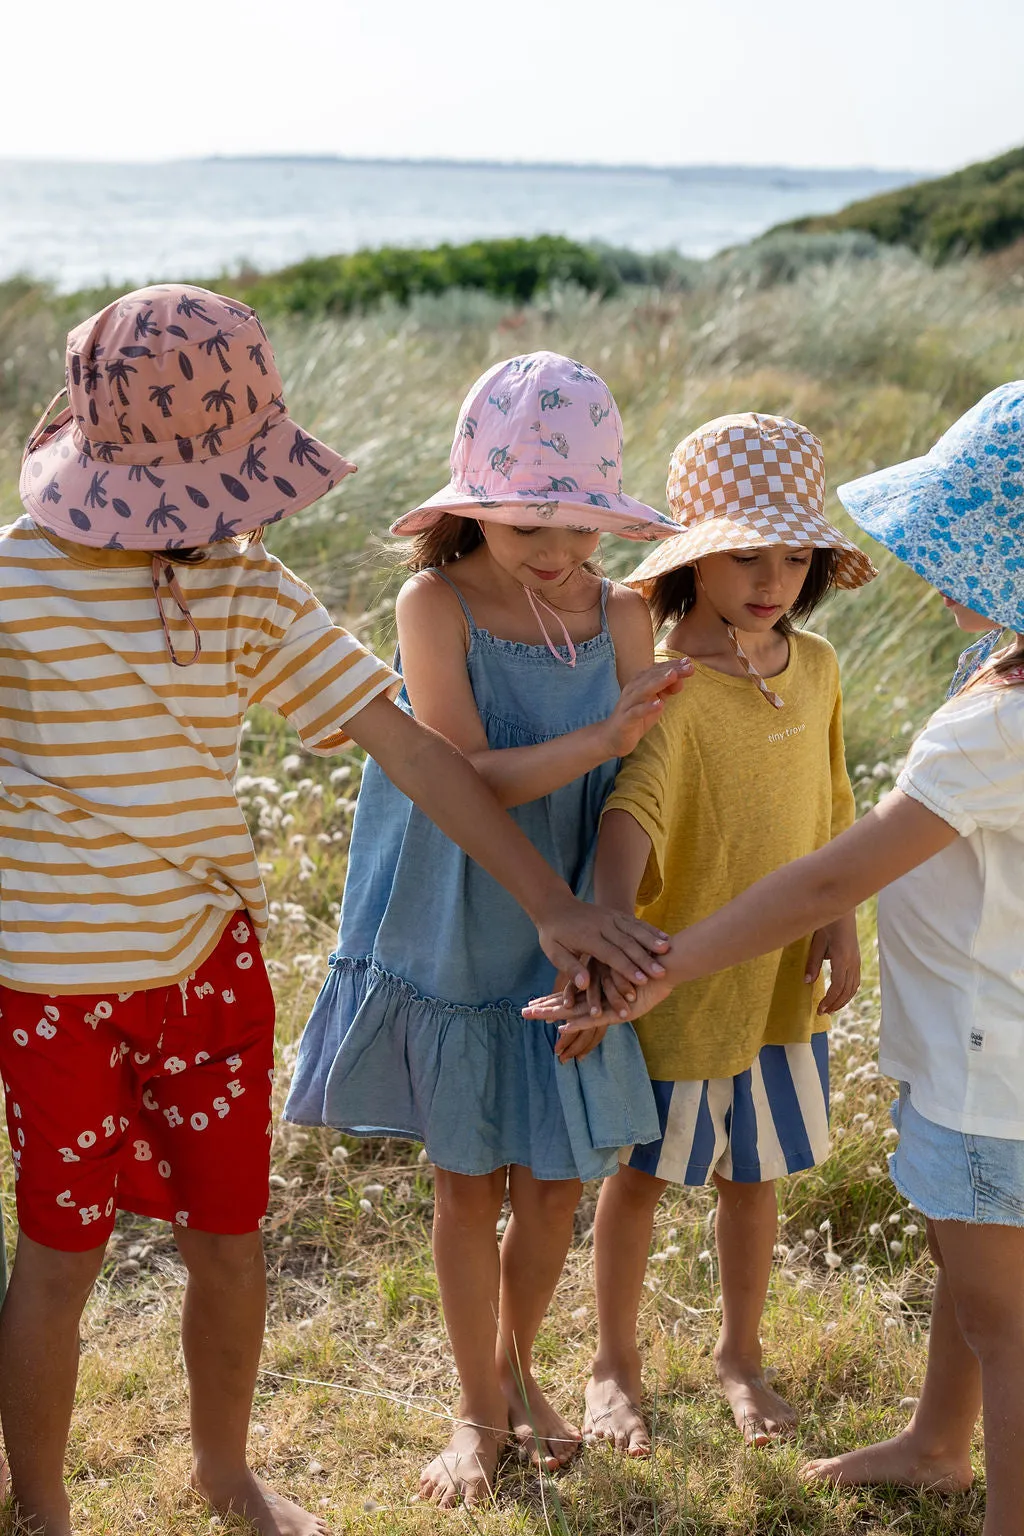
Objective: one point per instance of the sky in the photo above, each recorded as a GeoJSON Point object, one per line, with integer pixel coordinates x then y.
{"type": "Point", "coordinates": [909, 84]}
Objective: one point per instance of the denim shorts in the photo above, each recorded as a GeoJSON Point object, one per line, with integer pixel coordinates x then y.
{"type": "Point", "coordinates": [951, 1176]}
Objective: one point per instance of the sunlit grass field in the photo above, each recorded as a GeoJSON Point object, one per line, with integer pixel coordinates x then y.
{"type": "Point", "coordinates": [877, 357]}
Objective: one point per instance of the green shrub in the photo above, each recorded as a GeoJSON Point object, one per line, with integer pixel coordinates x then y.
{"type": "Point", "coordinates": [978, 209]}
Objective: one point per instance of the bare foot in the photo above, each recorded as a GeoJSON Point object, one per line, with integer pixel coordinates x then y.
{"type": "Point", "coordinates": [613, 1412]}
{"type": "Point", "coordinates": [893, 1461]}
{"type": "Point", "coordinates": [761, 1415]}
{"type": "Point", "coordinates": [534, 1420]}
{"type": "Point", "coordinates": [463, 1473]}
{"type": "Point", "coordinates": [267, 1512]}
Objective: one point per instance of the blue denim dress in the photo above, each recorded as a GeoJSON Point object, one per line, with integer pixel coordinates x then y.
{"type": "Point", "coordinates": [417, 1029]}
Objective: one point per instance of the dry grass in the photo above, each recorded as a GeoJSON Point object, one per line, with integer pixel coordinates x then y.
{"type": "Point", "coordinates": [357, 1380]}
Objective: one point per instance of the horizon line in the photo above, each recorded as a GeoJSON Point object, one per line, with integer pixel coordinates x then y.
{"type": "Point", "coordinates": [447, 162]}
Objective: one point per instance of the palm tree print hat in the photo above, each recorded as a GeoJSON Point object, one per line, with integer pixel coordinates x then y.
{"type": "Point", "coordinates": [539, 440]}
{"type": "Point", "coordinates": [956, 515]}
{"type": "Point", "coordinates": [744, 482]}
{"type": "Point", "coordinates": [175, 433]}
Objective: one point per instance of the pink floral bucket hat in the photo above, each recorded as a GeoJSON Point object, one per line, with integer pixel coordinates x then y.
{"type": "Point", "coordinates": [175, 433]}
{"type": "Point", "coordinates": [745, 482]}
{"type": "Point", "coordinates": [539, 440]}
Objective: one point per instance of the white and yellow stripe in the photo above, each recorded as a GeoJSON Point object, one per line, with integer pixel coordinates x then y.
{"type": "Point", "coordinates": [124, 848]}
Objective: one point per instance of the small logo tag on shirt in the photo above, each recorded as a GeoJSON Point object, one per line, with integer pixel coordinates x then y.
{"type": "Point", "coordinates": [977, 1039]}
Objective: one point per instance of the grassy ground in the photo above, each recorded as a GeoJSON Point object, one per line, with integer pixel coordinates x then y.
{"type": "Point", "coordinates": [877, 357]}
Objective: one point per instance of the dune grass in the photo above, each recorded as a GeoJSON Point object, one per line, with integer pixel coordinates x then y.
{"type": "Point", "coordinates": [877, 357]}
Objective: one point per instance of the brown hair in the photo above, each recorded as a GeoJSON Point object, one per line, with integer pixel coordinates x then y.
{"type": "Point", "coordinates": [448, 539]}
{"type": "Point", "coordinates": [1011, 663]}
{"type": "Point", "coordinates": [672, 596]}
{"type": "Point", "coordinates": [196, 554]}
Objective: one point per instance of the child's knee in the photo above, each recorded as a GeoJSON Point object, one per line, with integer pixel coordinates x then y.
{"type": "Point", "coordinates": [468, 1198]}
{"type": "Point", "coordinates": [632, 1187]}
{"type": "Point", "coordinates": [552, 1199]}
{"type": "Point", "coordinates": [56, 1280]}
{"type": "Point", "coordinates": [992, 1326]}
{"type": "Point", "coordinates": [222, 1259]}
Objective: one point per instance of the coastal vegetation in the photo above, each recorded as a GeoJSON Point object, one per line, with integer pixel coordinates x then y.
{"type": "Point", "coordinates": [979, 209]}
{"type": "Point", "coordinates": [875, 349]}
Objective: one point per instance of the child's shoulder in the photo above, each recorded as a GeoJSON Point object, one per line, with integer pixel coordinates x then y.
{"type": "Point", "coordinates": [814, 649]}
{"type": "Point", "coordinates": [625, 607]}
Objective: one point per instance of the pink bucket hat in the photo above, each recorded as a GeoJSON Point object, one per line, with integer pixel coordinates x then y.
{"type": "Point", "coordinates": [175, 433]}
{"type": "Point", "coordinates": [745, 482]}
{"type": "Point", "coordinates": [539, 440]}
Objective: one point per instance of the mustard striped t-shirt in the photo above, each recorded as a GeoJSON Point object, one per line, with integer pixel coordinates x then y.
{"type": "Point", "coordinates": [123, 850]}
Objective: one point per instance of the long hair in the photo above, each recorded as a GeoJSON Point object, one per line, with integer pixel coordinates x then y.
{"type": "Point", "coordinates": [671, 596]}
{"type": "Point", "coordinates": [1014, 662]}
{"type": "Point", "coordinates": [448, 539]}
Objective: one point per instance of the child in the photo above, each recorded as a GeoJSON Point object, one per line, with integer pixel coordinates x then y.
{"type": "Point", "coordinates": [948, 843]}
{"type": "Point", "coordinates": [136, 1017]}
{"type": "Point", "coordinates": [417, 1031]}
{"type": "Point", "coordinates": [739, 776]}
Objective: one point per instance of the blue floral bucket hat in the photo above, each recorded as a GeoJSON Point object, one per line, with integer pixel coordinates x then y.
{"type": "Point", "coordinates": [956, 515]}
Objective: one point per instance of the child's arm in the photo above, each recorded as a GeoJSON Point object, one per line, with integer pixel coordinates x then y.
{"type": "Point", "coordinates": [623, 848]}
{"type": "Point", "coordinates": [837, 942]}
{"type": "Point", "coordinates": [434, 774]}
{"type": "Point", "coordinates": [431, 639]}
{"type": "Point", "coordinates": [895, 837]}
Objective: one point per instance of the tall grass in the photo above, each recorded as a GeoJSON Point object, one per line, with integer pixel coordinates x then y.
{"type": "Point", "coordinates": [876, 356]}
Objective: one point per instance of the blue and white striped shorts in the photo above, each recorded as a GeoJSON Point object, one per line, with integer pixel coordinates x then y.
{"type": "Point", "coordinates": [760, 1124]}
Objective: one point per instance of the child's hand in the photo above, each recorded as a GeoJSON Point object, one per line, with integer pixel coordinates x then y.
{"type": "Point", "coordinates": [578, 930]}
{"type": "Point", "coordinates": [573, 1047]}
{"type": "Point", "coordinates": [641, 703]}
{"type": "Point", "coordinates": [551, 1009]}
{"type": "Point", "coordinates": [838, 944]}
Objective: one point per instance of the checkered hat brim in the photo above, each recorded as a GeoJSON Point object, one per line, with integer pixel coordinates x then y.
{"type": "Point", "coordinates": [792, 527]}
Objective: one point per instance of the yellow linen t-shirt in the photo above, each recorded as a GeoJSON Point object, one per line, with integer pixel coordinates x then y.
{"type": "Point", "coordinates": [728, 789]}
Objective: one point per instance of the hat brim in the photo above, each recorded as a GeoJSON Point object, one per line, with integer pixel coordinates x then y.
{"type": "Point", "coordinates": [611, 513]}
{"type": "Point", "coordinates": [718, 535]}
{"type": "Point", "coordinates": [906, 509]}
{"type": "Point", "coordinates": [165, 505]}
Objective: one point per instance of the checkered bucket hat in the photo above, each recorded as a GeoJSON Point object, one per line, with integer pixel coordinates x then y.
{"type": "Point", "coordinates": [746, 482]}
{"type": "Point", "coordinates": [539, 440]}
{"type": "Point", "coordinates": [175, 432]}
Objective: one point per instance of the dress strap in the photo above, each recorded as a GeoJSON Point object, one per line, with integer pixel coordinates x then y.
{"type": "Point", "coordinates": [606, 587]}
{"type": "Point", "coordinates": [436, 570]}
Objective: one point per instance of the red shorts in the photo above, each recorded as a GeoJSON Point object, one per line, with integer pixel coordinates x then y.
{"type": "Point", "coordinates": [156, 1102]}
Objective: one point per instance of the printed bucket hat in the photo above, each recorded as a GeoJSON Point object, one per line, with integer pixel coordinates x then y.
{"type": "Point", "coordinates": [956, 515]}
{"type": "Point", "coordinates": [745, 482]}
{"type": "Point", "coordinates": [539, 440]}
{"type": "Point", "coordinates": [175, 433]}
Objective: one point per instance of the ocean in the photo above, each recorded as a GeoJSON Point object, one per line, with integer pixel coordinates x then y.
{"type": "Point", "coordinates": [78, 225]}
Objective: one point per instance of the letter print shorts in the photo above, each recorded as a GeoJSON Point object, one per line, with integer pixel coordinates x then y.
{"type": "Point", "coordinates": [156, 1102]}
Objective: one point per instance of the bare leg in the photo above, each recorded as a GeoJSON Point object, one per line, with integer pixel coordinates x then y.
{"type": "Point", "coordinates": [934, 1451]}
{"type": "Point", "coordinates": [533, 1252]}
{"type": "Point", "coordinates": [746, 1225]}
{"type": "Point", "coordinates": [38, 1372]}
{"type": "Point", "coordinates": [975, 1357]}
{"type": "Point", "coordinates": [622, 1242]}
{"type": "Point", "coordinates": [222, 1324]}
{"type": "Point", "coordinates": [466, 1210]}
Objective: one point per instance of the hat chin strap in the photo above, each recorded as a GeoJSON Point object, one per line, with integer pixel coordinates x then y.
{"type": "Point", "coordinates": [745, 662]}
{"type": "Point", "coordinates": [164, 568]}
{"type": "Point", "coordinates": [537, 603]}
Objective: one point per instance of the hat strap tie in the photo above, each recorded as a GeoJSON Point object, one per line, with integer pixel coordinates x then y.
{"type": "Point", "coordinates": [44, 427]}
{"type": "Point", "coordinates": [537, 603]}
{"type": "Point", "coordinates": [973, 659]}
{"type": "Point", "coordinates": [751, 670]}
{"type": "Point", "coordinates": [162, 567]}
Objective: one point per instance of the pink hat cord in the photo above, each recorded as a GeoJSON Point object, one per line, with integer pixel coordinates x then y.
{"type": "Point", "coordinates": [537, 603]}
